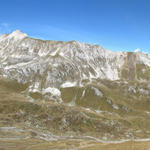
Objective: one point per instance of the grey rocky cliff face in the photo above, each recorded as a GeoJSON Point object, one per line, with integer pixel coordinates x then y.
{"type": "Point", "coordinates": [47, 66]}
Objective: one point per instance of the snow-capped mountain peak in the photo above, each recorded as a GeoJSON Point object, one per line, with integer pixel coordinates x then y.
{"type": "Point", "coordinates": [17, 35]}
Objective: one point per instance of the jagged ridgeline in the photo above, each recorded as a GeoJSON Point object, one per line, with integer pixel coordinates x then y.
{"type": "Point", "coordinates": [70, 71]}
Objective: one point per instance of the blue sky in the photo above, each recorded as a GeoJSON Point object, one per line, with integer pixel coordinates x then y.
{"type": "Point", "coordinates": [114, 24]}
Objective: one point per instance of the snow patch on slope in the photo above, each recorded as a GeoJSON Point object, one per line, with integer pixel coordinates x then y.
{"type": "Point", "coordinates": [143, 58]}
{"type": "Point", "coordinates": [68, 84]}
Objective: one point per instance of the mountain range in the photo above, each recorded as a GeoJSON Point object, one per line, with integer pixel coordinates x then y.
{"type": "Point", "coordinates": [56, 90]}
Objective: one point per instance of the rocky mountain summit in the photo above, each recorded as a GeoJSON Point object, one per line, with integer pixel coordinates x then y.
{"type": "Point", "coordinates": [52, 88]}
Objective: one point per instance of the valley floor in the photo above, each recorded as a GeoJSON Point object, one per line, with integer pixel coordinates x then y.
{"type": "Point", "coordinates": [36, 144]}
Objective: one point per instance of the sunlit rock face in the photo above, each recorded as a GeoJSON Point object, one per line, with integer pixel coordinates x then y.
{"type": "Point", "coordinates": [48, 66]}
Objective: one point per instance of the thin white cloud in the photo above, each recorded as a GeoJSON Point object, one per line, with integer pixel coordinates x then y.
{"type": "Point", "coordinates": [4, 24]}
{"type": "Point", "coordinates": [5, 28]}
{"type": "Point", "coordinates": [137, 50]}
{"type": "Point", "coordinates": [142, 51]}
